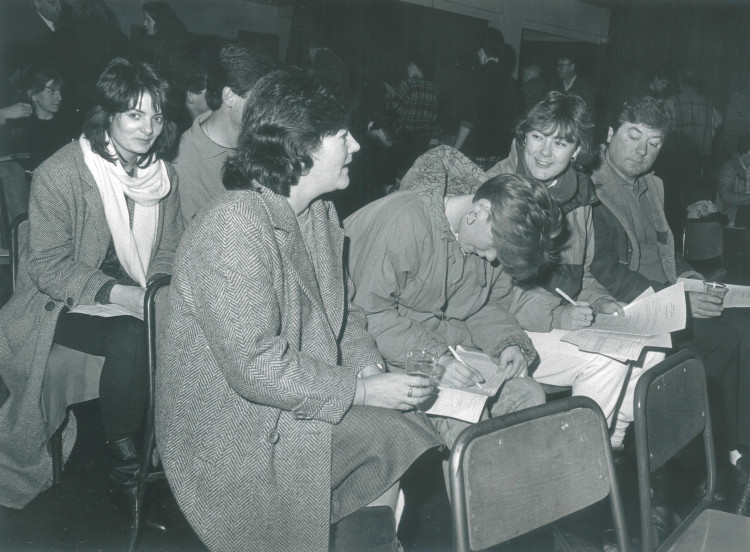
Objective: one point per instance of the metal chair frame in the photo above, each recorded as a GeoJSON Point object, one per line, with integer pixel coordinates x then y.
{"type": "Point", "coordinates": [657, 379]}
{"type": "Point", "coordinates": [464, 523]}
{"type": "Point", "coordinates": [147, 474]}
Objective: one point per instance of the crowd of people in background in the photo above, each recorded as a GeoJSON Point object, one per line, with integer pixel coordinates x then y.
{"type": "Point", "coordinates": [282, 402]}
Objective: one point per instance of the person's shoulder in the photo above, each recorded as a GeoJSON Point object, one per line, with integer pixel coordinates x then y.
{"type": "Point", "coordinates": [69, 155]}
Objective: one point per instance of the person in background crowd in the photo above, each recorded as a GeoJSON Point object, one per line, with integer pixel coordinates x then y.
{"type": "Point", "coordinates": [737, 119]}
{"type": "Point", "coordinates": [213, 136]}
{"type": "Point", "coordinates": [733, 189]}
{"type": "Point", "coordinates": [572, 83]}
{"type": "Point", "coordinates": [46, 130]}
{"type": "Point", "coordinates": [167, 39]}
{"type": "Point", "coordinates": [274, 415]}
{"type": "Point", "coordinates": [104, 220]}
{"type": "Point", "coordinates": [490, 105]}
{"type": "Point", "coordinates": [635, 250]}
{"type": "Point", "coordinates": [533, 88]}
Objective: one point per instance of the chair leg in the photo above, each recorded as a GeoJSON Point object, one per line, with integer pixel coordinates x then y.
{"type": "Point", "coordinates": [56, 446]}
{"type": "Point", "coordinates": [743, 508]}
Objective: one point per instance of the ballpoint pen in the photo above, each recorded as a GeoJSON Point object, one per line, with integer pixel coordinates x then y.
{"type": "Point", "coordinates": [462, 361]}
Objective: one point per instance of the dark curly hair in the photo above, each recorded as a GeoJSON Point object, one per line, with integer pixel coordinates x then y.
{"type": "Point", "coordinates": [119, 88]}
{"type": "Point", "coordinates": [286, 117]}
{"type": "Point", "coordinates": [526, 222]}
{"type": "Point", "coordinates": [565, 115]}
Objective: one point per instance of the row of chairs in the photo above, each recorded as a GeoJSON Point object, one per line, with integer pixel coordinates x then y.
{"type": "Point", "coordinates": [511, 475]}
{"type": "Point", "coordinates": [517, 473]}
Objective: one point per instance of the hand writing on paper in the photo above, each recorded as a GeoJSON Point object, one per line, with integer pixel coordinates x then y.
{"type": "Point", "coordinates": [575, 317]}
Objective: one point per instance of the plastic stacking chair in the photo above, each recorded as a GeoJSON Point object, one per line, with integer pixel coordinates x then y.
{"type": "Point", "coordinates": [671, 409]}
{"type": "Point", "coordinates": [71, 376]}
{"type": "Point", "coordinates": [155, 301]}
{"type": "Point", "coordinates": [514, 474]}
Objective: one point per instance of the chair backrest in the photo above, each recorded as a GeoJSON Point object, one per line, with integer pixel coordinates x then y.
{"type": "Point", "coordinates": [513, 474]}
{"type": "Point", "coordinates": [19, 238]}
{"type": "Point", "coordinates": [671, 409]}
{"type": "Point", "coordinates": [702, 240]}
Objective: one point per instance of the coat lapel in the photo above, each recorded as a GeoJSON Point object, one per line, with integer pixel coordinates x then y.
{"type": "Point", "coordinates": [291, 245]}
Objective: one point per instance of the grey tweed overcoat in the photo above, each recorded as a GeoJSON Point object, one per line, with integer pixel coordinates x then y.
{"type": "Point", "coordinates": [260, 361]}
{"type": "Point", "coordinates": [68, 240]}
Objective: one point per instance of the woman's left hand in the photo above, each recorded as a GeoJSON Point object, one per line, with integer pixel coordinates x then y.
{"type": "Point", "coordinates": [513, 363]}
{"type": "Point", "coordinates": [608, 306]}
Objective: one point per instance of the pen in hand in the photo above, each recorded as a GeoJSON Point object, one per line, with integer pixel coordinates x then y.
{"type": "Point", "coordinates": [565, 296]}
{"type": "Point", "coordinates": [459, 359]}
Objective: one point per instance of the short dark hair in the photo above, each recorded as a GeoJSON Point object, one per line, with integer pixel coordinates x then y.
{"type": "Point", "coordinates": [119, 88]}
{"type": "Point", "coordinates": [167, 23]}
{"type": "Point", "coordinates": [563, 114]}
{"type": "Point", "coordinates": [34, 79]}
{"type": "Point", "coordinates": [492, 42]}
{"type": "Point", "coordinates": [285, 119]}
{"type": "Point", "coordinates": [239, 68]}
{"type": "Point", "coordinates": [526, 222]}
{"type": "Point", "coordinates": [644, 111]}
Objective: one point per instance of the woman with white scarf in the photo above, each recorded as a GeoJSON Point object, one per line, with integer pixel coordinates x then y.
{"type": "Point", "coordinates": [104, 220]}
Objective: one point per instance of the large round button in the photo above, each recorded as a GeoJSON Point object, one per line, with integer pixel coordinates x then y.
{"type": "Point", "coordinates": [273, 437]}
{"type": "Point", "coordinates": [49, 306]}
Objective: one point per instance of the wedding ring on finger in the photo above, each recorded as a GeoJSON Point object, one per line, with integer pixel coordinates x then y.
{"type": "Point", "coordinates": [411, 391]}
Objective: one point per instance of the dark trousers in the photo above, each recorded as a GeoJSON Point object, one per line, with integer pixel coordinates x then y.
{"type": "Point", "coordinates": [123, 385]}
{"type": "Point", "coordinates": [724, 345]}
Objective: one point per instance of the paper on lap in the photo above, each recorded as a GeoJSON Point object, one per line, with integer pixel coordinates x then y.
{"type": "Point", "coordinates": [106, 311]}
{"type": "Point", "coordinates": [468, 404]}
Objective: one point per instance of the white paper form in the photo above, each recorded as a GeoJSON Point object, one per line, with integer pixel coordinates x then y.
{"type": "Point", "coordinates": [458, 403]}
{"type": "Point", "coordinates": [618, 345]}
{"type": "Point", "coordinates": [106, 311]}
{"type": "Point", "coordinates": [737, 296]}
{"type": "Point", "coordinates": [660, 313]}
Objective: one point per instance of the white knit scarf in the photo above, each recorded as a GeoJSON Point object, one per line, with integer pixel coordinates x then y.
{"type": "Point", "coordinates": [146, 189]}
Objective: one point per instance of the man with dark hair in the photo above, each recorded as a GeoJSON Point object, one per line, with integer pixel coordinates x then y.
{"type": "Point", "coordinates": [635, 251]}
{"type": "Point", "coordinates": [213, 136]}
{"type": "Point", "coordinates": [572, 83]}
{"type": "Point", "coordinates": [490, 105]}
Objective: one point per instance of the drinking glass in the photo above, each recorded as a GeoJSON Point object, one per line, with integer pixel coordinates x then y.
{"type": "Point", "coordinates": [716, 289]}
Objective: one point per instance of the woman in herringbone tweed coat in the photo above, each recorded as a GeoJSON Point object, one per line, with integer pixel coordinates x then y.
{"type": "Point", "coordinates": [71, 239]}
{"type": "Point", "coordinates": [274, 418]}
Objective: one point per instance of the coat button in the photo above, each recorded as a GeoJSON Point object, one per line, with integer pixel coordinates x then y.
{"type": "Point", "coordinates": [300, 415]}
{"type": "Point", "coordinates": [70, 301]}
{"type": "Point", "coordinates": [273, 437]}
{"type": "Point", "coordinates": [49, 306]}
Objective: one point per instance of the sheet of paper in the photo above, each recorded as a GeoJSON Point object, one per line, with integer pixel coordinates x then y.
{"type": "Point", "coordinates": [660, 313]}
{"type": "Point", "coordinates": [106, 311]}
{"type": "Point", "coordinates": [493, 377]}
{"type": "Point", "coordinates": [459, 404]}
{"type": "Point", "coordinates": [737, 296]}
{"type": "Point", "coordinates": [646, 292]}
{"type": "Point", "coordinates": [614, 344]}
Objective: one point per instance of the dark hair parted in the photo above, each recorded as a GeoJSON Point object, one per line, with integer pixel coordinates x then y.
{"type": "Point", "coordinates": [34, 79]}
{"type": "Point", "coordinates": [644, 111]}
{"type": "Point", "coordinates": [285, 119]}
{"type": "Point", "coordinates": [120, 87]}
{"type": "Point", "coordinates": [239, 68]}
{"type": "Point", "coordinates": [564, 115]}
{"type": "Point", "coordinates": [526, 222]}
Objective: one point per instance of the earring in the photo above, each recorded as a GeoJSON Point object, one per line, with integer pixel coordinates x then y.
{"type": "Point", "coordinates": [573, 159]}
{"type": "Point", "coordinates": [471, 218]}
{"type": "Point", "coordinates": [524, 143]}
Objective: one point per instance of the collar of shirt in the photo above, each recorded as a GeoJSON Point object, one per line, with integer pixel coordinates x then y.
{"type": "Point", "coordinates": [570, 85]}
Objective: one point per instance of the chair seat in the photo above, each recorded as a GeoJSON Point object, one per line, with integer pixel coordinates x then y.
{"type": "Point", "coordinates": [715, 530]}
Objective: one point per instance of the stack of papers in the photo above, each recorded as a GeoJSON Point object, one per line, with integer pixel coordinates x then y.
{"type": "Point", "coordinates": [648, 321]}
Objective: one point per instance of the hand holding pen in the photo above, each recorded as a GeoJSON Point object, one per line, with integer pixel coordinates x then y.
{"type": "Point", "coordinates": [576, 315]}
{"type": "Point", "coordinates": [458, 374]}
